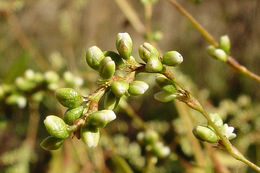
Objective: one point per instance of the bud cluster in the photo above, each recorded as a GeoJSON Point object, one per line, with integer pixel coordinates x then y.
{"type": "Point", "coordinates": [208, 134]}
{"type": "Point", "coordinates": [60, 129]}
{"type": "Point", "coordinates": [152, 144]}
{"type": "Point", "coordinates": [34, 85]}
{"type": "Point", "coordinates": [221, 52]}
{"type": "Point", "coordinates": [117, 71]}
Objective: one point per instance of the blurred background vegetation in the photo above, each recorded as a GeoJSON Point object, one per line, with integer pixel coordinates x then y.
{"type": "Point", "coordinates": [53, 35]}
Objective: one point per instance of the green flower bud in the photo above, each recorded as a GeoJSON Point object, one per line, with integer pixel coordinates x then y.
{"type": "Point", "coordinates": [73, 114]}
{"type": "Point", "coordinates": [148, 137]}
{"type": "Point", "coordinates": [153, 65]}
{"type": "Point", "coordinates": [124, 45]}
{"type": "Point", "coordinates": [160, 150]}
{"type": "Point", "coordinates": [224, 43]}
{"type": "Point", "coordinates": [107, 68]}
{"type": "Point", "coordinates": [164, 96]}
{"type": "Point", "coordinates": [210, 50]}
{"type": "Point", "coordinates": [218, 54]}
{"type": "Point", "coordinates": [56, 127]}
{"type": "Point", "coordinates": [119, 88]}
{"type": "Point", "coordinates": [69, 97]}
{"type": "Point", "coordinates": [147, 51]}
{"type": "Point", "coordinates": [205, 134]}
{"type": "Point", "coordinates": [94, 56]}
{"type": "Point", "coordinates": [172, 58]}
{"type": "Point", "coordinates": [2, 92]}
{"type": "Point", "coordinates": [68, 78]}
{"type": "Point", "coordinates": [38, 78]}
{"type": "Point", "coordinates": [217, 120]}
{"type": "Point", "coordinates": [165, 84]}
{"type": "Point", "coordinates": [101, 118]}
{"type": "Point", "coordinates": [38, 96]}
{"type": "Point", "coordinates": [51, 143]}
{"type": "Point", "coordinates": [137, 88]}
{"type": "Point", "coordinates": [51, 77]}
{"type": "Point", "coordinates": [24, 84]}
{"type": "Point", "coordinates": [115, 57]}
{"type": "Point", "coordinates": [16, 99]}
{"type": "Point", "coordinates": [90, 136]}
{"type": "Point", "coordinates": [111, 101]}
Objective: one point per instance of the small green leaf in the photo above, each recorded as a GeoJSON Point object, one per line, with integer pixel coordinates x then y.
{"type": "Point", "coordinates": [51, 143]}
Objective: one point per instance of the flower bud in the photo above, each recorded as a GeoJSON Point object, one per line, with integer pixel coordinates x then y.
{"type": "Point", "coordinates": [148, 137]}
{"type": "Point", "coordinates": [111, 101]}
{"type": "Point", "coordinates": [165, 84]}
{"type": "Point", "coordinates": [218, 54]}
{"type": "Point", "coordinates": [89, 136]}
{"type": "Point", "coordinates": [73, 114]}
{"type": "Point", "coordinates": [217, 120]}
{"type": "Point", "coordinates": [147, 51]}
{"type": "Point", "coordinates": [205, 134]}
{"type": "Point", "coordinates": [101, 118]}
{"type": "Point", "coordinates": [51, 77]}
{"type": "Point", "coordinates": [56, 127]}
{"type": "Point", "coordinates": [94, 56]}
{"type": "Point", "coordinates": [24, 84]}
{"type": "Point", "coordinates": [38, 78]}
{"type": "Point", "coordinates": [29, 74]}
{"type": "Point", "coordinates": [16, 99]}
{"type": "Point", "coordinates": [224, 43]}
{"type": "Point", "coordinates": [160, 150]}
{"type": "Point", "coordinates": [137, 88]}
{"type": "Point", "coordinates": [107, 68]}
{"type": "Point", "coordinates": [172, 58]}
{"type": "Point", "coordinates": [38, 96]}
{"type": "Point", "coordinates": [69, 97]}
{"type": "Point", "coordinates": [2, 92]}
{"type": "Point", "coordinates": [153, 65]}
{"type": "Point", "coordinates": [115, 57]}
{"type": "Point", "coordinates": [119, 88]}
{"type": "Point", "coordinates": [164, 96]}
{"type": "Point", "coordinates": [124, 45]}
{"type": "Point", "coordinates": [51, 143]}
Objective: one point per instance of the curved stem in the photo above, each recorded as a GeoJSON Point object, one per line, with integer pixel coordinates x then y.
{"type": "Point", "coordinates": [194, 104]}
{"type": "Point", "coordinates": [231, 61]}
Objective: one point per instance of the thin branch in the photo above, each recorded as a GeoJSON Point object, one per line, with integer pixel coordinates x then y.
{"type": "Point", "coordinates": [131, 15]}
{"type": "Point", "coordinates": [231, 61]}
{"type": "Point", "coordinates": [24, 41]}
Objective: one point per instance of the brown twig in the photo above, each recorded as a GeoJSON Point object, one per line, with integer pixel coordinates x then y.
{"type": "Point", "coordinates": [231, 61]}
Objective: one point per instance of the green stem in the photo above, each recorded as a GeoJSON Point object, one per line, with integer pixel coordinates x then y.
{"type": "Point", "coordinates": [194, 104]}
{"type": "Point", "coordinates": [229, 147]}
{"type": "Point", "coordinates": [150, 162]}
